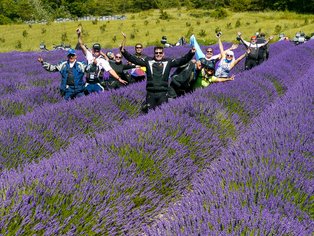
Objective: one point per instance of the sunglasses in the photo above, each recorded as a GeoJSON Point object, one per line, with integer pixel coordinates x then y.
{"type": "Point", "coordinates": [209, 51]}
{"type": "Point", "coordinates": [229, 55]}
{"type": "Point", "coordinates": [118, 57]}
{"type": "Point", "coordinates": [138, 47]}
{"type": "Point", "coordinates": [160, 53]}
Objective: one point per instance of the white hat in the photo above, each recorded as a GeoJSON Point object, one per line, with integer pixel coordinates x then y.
{"type": "Point", "coordinates": [230, 53]}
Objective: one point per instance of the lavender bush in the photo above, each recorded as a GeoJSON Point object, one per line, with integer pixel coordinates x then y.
{"type": "Point", "coordinates": [262, 184]}
{"type": "Point", "coordinates": [114, 172]}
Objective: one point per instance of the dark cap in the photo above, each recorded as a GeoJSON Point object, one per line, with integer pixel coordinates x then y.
{"type": "Point", "coordinates": [96, 47]}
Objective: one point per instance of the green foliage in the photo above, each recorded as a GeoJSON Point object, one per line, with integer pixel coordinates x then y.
{"type": "Point", "coordinates": [103, 28]}
{"type": "Point", "coordinates": [219, 13]}
{"type": "Point", "coordinates": [4, 20]}
{"type": "Point", "coordinates": [229, 26]}
{"type": "Point", "coordinates": [202, 33]}
{"type": "Point", "coordinates": [189, 32]}
{"type": "Point", "coordinates": [277, 29]}
{"type": "Point", "coordinates": [135, 25]}
{"type": "Point", "coordinates": [240, 5]}
{"type": "Point", "coordinates": [64, 37]}
{"type": "Point", "coordinates": [164, 15]}
{"type": "Point", "coordinates": [16, 11]}
{"type": "Point", "coordinates": [25, 34]}
{"type": "Point", "coordinates": [197, 14]}
{"type": "Point", "coordinates": [114, 38]}
{"type": "Point", "coordinates": [18, 44]}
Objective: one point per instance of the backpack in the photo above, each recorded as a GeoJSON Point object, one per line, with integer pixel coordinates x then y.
{"type": "Point", "coordinates": [254, 52]}
{"type": "Point", "coordinates": [182, 78]}
{"type": "Point", "coordinates": [93, 74]}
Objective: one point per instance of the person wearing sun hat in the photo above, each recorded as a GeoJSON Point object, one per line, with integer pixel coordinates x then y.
{"type": "Point", "coordinates": [97, 65]}
{"type": "Point", "coordinates": [227, 62]}
{"type": "Point", "coordinates": [72, 72]}
{"type": "Point", "coordinates": [254, 47]}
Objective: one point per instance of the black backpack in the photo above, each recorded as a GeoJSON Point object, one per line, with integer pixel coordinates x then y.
{"type": "Point", "coordinates": [182, 78]}
{"type": "Point", "coordinates": [254, 52]}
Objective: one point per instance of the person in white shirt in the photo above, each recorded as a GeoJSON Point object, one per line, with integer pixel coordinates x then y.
{"type": "Point", "coordinates": [97, 65]}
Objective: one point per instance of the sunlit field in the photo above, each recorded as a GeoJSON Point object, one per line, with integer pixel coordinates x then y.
{"type": "Point", "coordinates": [235, 158]}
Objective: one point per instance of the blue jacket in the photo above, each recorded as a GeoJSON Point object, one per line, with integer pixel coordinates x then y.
{"type": "Point", "coordinates": [63, 67]}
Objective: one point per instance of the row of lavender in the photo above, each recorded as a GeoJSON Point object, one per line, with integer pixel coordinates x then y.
{"type": "Point", "coordinates": [119, 179]}
{"type": "Point", "coordinates": [262, 184]}
{"type": "Point", "coordinates": [50, 128]}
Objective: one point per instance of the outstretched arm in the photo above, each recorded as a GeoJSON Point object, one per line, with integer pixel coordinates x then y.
{"type": "Point", "coordinates": [217, 79]}
{"type": "Point", "coordinates": [80, 41]}
{"type": "Point", "coordinates": [122, 45]}
{"type": "Point", "coordinates": [185, 59]}
{"type": "Point", "coordinates": [245, 43]}
{"type": "Point", "coordinates": [266, 42]}
{"type": "Point", "coordinates": [221, 48]}
{"type": "Point", "coordinates": [128, 56]}
{"type": "Point", "coordinates": [235, 62]}
{"type": "Point", "coordinates": [49, 67]}
{"type": "Point", "coordinates": [234, 46]}
{"type": "Point", "coordinates": [117, 77]}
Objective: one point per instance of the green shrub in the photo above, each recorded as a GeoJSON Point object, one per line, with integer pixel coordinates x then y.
{"type": "Point", "coordinates": [103, 28]}
{"type": "Point", "coordinates": [4, 20]}
{"type": "Point", "coordinates": [164, 15]}
{"type": "Point", "coordinates": [114, 38]}
{"type": "Point", "coordinates": [229, 26]}
{"type": "Point", "coordinates": [202, 33]}
{"type": "Point", "coordinates": [190, 32]}
{"type": "Point", "coordinates": [18, 44]}
{"type": "Point", "coordinates": [219, 13]}
{"type": "Point", "coordinates": [25, 33]}
{"type": "Point", "coordinates": [278, 29]}
{"type": "Point", "coordinates": [64, 37]}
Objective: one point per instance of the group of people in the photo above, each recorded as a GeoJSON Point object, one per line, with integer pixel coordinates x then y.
{"type": "Point", "coordinates": [194, 70]}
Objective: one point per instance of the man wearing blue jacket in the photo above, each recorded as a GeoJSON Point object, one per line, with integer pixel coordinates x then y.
{"type": "Point", "coordinates": [72, 72]}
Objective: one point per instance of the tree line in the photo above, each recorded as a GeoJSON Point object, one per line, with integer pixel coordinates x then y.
{"type": "Point", "coordinates": [14, 11]}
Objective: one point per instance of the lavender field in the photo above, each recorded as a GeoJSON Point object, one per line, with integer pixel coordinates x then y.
{"type": "Point", "coordinates": [235, 158]}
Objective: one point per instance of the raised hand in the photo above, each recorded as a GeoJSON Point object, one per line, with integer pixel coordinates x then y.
{"type": "Point", "coordinates": [78, 31]}
{"type": "Point", "coordinates": [40, 59]}
{"type": "Point", "coordinates": [234, 46]}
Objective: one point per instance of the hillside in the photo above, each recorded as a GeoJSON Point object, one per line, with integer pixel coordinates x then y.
{"type": "Point", "coordinates": [148, 27]}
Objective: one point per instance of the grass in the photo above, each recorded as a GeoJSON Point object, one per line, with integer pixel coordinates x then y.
{"type": "Point", "coordinates": [146, 27]}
